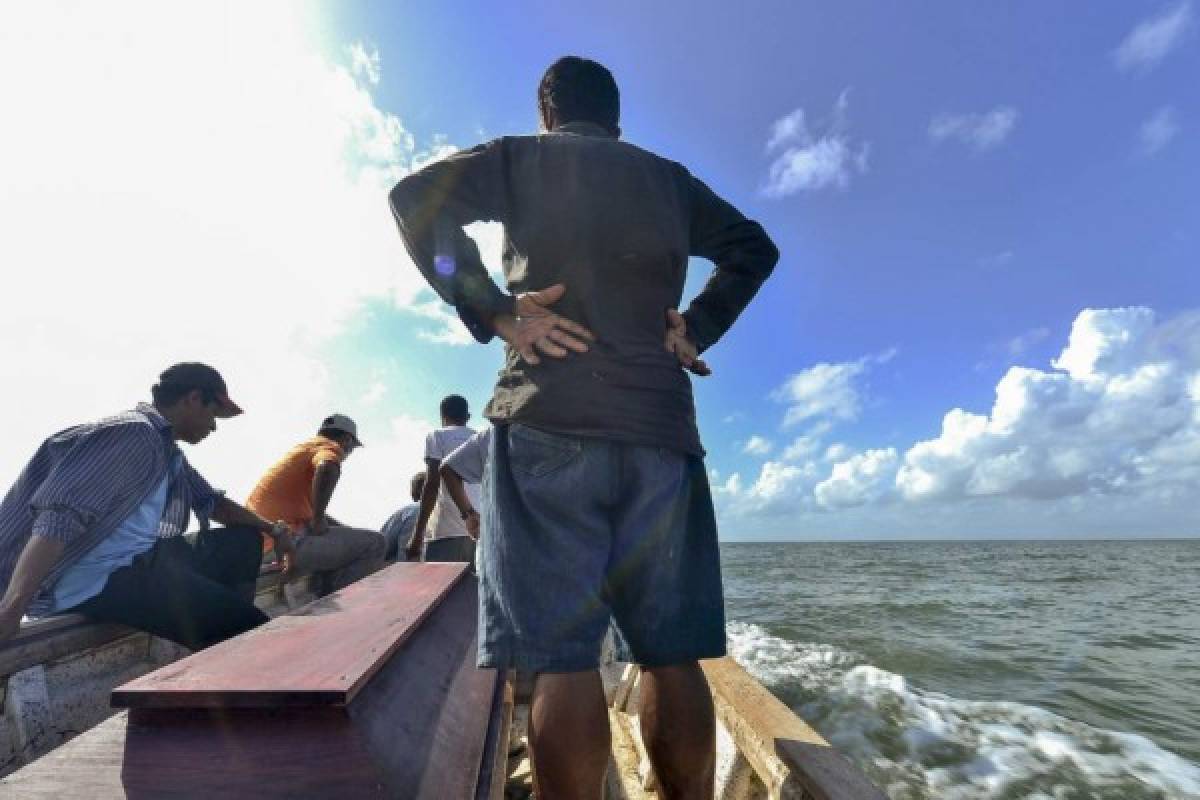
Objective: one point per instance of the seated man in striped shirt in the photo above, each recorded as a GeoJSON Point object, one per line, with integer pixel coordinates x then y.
{"type": "Point", "coordinates": [94, 524]}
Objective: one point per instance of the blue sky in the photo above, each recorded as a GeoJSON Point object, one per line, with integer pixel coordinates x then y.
{"type": "Point", "coordinates": [951, 188]}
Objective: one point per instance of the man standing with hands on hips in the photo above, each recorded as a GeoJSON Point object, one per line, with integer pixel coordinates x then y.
{"type": "Point", "coordinates": [597, 500]}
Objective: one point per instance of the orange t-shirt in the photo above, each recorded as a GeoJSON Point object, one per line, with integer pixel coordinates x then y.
{"type": "Point", "coordinates": [285, 491]}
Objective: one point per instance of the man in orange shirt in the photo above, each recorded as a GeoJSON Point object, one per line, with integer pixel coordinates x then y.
{"type": "Point", "coordinates": [297, 489]}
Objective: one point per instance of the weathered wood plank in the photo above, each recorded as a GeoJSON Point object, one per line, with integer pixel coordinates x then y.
{"type": "Point", "coordinates": [790, 758]}
{"type": "Point", "coordinates": [321, 655]}
{"type": "Point", "coordinates": [54, 638]}
{"type": "Point", "coordinates": [92, 760]}
{"type": "Point", "coordinates": [493, 769]}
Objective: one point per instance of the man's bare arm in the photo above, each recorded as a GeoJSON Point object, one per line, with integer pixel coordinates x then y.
{"type": "Point", "coordinates": [227, 512]}
{"type": "Point", "coordinates": [454, 486]}
{"type": "Point", "coordinates": [428, 499]}
{"type": "Point", "coordinates": [37, 558]}
{"type": "Point", "coordinates": [325, 480]}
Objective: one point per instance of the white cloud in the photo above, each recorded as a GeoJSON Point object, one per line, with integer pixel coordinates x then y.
{"type": "Point", "coordinates": [1158, 131]}
{"type": "Point", "coordinates": [365, 62]}
{"type": "Point", "coordinates": [779, 488]}
{"type": "Point", "coordinates": [209, 187]}
{"type": "Point", "coordinates": [757, 446]}
{"type": "Point", "coordinates": [823, 390]}
{"type": "Point", "coordinates": [808, 162]}
{"type": "Point", "coordinates": [1118, 415]}
{"type": "Point", "coordinates": [981, 131]}
{"type": "Point", "coordinates": [1105, 440]}
{"type": "Point", "coordinates": [826, 391]}
{"type": "Point", "coordinates": [836, 452]}
{"type": "Point", "coordinates": [801, 448]}
{"type": "Point", "coordinates": [448, 329]}
{"type": "Point", "coordinates": [1153, 39]}
{"type": "Point", "coordinates": [732, 486]}
{"type": "Point", "coordinates": [858, 480]}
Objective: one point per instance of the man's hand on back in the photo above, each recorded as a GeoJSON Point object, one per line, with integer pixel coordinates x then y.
{"type": "Point", "coordinates": [536, 328]}
{"type": "Point", "coordinates": [684, 349]}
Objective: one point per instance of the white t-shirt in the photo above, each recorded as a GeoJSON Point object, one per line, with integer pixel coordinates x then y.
{"type": "Point", "coordinates": [446, 521]}
{"type": "Point", "coordinates": [470, 458]}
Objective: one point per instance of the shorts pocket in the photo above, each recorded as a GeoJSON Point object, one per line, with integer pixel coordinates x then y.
{"type": "Point", "coordinates": [537, 453]}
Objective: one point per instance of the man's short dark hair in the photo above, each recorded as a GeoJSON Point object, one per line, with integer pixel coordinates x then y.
{"type": "Point", "coordinates": [417, 486]}
{"type": "Point", "coordinates": [454, 409]}
{"type": "Point", "coordinates": [579, 89]}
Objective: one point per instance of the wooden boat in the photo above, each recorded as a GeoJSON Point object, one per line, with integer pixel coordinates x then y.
{"type": "Point", "coordinates": [369, 692]}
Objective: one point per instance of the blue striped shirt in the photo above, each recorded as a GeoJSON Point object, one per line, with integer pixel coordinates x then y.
{"type": "Point", "coordinates": [83, 482]}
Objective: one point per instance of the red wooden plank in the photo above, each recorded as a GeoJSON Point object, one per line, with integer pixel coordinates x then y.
{"type": "Point", "coordinates": [320, 655]}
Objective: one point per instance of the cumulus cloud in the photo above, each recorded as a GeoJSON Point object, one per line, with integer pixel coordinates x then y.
{"type": "Point", "coordinates": [780, 488]}
{"type": "Point", "coordinates": [365, 62]}
{"type": "Point", "coordinates": [1109, 425]}
{"type": "Point", "coordinates": [980, 131]}
{"type": "Point", "coordinates": [1158, 131]}
{"type": "Point", "coordinates": [1119, 413]}
{"type": "Point", "coordinates": [826, 391]}
{"type": "Point", "coordinates": [211, 187]}
{"type": "Point", "coordinates": [1153, 39]}
{"type": "Point", "coordinates": [802, 447]}
{"type": "Point", "coordinates": [757, 446]}
{"type": "Point", "coordinates": [858, 480]}
{"type": "Point", "coordinates": [808, 161]}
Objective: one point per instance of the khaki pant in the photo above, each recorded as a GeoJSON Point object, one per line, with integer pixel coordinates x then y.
{"type": "Point", "coordinates": [340, 556]}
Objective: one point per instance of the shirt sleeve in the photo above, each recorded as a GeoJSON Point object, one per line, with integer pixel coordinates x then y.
{"type": "Point", "coordinates": [744, 257]}
{"type": "Point", "coordinates": [431, 206]}
{"type": "Point", "coordinates": [467, 460]}
{"type": "Point", "coordinates": [204, 497]}
{"type": "Point", "coordinates": [327, 453]}
{"type": "Point", "coordinates": [101, 468]}
{"type": "Point", "coordinates": [433, 446]}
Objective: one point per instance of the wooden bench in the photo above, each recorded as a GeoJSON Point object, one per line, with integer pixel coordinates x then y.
{"type": "Point", "coordinates": [370, 692]}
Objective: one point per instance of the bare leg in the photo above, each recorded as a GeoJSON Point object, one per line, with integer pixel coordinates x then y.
{"type": "Point", "coordinates": [679, 730]}
{"type": "Point", "coordinates": [569, 735]}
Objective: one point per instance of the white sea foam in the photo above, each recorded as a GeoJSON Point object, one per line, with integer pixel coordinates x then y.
{"type": "Point", "coordinates": [922, 744]}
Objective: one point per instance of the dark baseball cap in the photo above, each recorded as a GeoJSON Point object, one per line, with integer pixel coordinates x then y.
{"type": "Point", "coordinates": [193, 375]}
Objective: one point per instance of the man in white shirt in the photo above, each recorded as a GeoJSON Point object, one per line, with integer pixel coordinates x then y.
{"type": "Point", "coordinates": [463, 468]}
{"type": "Point", "coordinates": [440, 525]}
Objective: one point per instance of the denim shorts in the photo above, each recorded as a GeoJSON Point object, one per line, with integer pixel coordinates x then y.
{"type": "Point", "coordinates": [581, 532]}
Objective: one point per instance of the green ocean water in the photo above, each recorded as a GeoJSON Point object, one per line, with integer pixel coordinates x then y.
{"type": "Point", "coordinates": [1063, 670]}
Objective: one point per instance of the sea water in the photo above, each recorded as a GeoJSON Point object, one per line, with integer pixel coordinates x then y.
{"type": "Point", "coordinates": [1064, 670]}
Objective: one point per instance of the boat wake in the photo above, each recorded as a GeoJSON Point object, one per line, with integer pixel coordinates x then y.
{"type": "Point", "coordinates": [916, 743]}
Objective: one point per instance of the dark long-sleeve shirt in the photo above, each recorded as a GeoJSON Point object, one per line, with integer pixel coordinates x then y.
{"type": "Point", "coordinates": [85, 481]}
{"type": "Point", "coordinates": [615, 224]}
